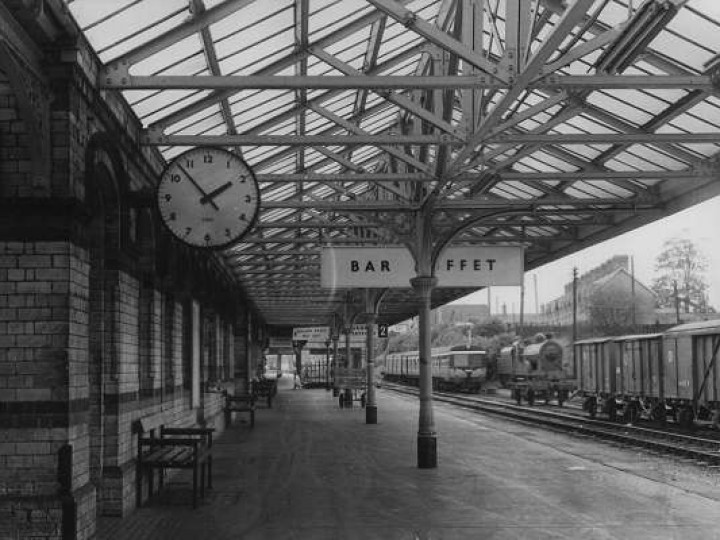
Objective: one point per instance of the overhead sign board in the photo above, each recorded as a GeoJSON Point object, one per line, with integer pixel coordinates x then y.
{"type": "Point", "coordinates": [358, 335]}
{"type": "Point", "coordinates": [366, 267]}
{"type": "Point", "coordinates": [311, 334]}
{"type": "Point", "coordinates": [383, 267]}
{"type": "Point", "coordinates": [280, 345]}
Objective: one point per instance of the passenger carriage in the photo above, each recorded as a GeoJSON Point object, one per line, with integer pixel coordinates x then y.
{"type": "Point", "coordinates": [463, 370]}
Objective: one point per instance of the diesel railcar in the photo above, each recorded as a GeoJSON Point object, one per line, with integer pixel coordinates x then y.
{"type": "Point", "coordinates": [536, 371]}
{"type": "Point", "coordinates": [673, 374]}
{"type": "Point", "coordinates": [462, 371]}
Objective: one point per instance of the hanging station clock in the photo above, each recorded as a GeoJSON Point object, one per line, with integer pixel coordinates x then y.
{"type": "Point", "coordinates": [208, 197]}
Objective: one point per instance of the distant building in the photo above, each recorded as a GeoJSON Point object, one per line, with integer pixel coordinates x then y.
{"type": "Point", "coordinates": [612, 280]}
{"type": "Point", "coordinates": [460, 313]}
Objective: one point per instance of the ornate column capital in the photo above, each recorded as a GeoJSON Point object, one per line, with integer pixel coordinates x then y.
{"type": "Point", "coordinates": [423, 285]}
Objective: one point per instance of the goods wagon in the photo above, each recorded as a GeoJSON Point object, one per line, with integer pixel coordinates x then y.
{"type": "Point", "coordinates": [620, 375]}
{"type": "Point", "coordinates": [691, 375]}
{"type": "Point", "coordinates": [536, 371]}
{"type": "Point", "coordinates": [674, 374]}
{"type": "Point", "coordinates": [462, 370]}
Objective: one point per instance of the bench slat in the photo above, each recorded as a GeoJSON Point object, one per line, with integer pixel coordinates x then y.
{"type": "Point", "coordinates": [169, 457]}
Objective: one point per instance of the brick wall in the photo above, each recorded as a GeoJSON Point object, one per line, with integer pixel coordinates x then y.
{"type": "Point", "coordinates": [72, 300]}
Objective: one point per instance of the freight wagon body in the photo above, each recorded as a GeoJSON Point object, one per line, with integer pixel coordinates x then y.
{"type": "Point", "coordinates": [671, 374]}
{"type": "Point", "coordinates": [621, 375]}
{"type": "Point", "coordinates": [691, 373]}
{"type": "Point", "coordinates": [597, 365]}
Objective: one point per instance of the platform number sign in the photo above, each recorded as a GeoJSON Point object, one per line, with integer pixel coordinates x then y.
{"type": "Point", "coordinates": [382, 330]}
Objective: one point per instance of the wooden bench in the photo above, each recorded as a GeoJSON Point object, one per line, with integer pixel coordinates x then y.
{"type": "Point", "coordinates": [174, 448]}
{"type": "Point", "coordinates": [264, 388]}
{"type": "Point", "coordinates": [242, 403]}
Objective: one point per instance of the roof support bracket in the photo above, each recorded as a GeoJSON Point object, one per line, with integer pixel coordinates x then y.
{"type": "Point", "coordinates": [116, 74]}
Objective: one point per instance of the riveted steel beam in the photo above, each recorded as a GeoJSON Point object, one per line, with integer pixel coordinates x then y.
{"type": "Point", "coordinates": [158, 139]}
{"type": "Point", "coordinates": [122, 80]}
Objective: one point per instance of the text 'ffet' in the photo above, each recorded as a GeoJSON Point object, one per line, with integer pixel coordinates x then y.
{"type": "Point", "coordinates": [476, 265]}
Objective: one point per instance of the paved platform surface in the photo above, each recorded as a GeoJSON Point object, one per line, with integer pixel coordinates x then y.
{"type": "Point", "coordinates": [310, 470]}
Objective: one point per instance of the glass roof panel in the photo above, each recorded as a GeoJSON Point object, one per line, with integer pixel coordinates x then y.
{"type": "Point", "coordinates": [619, 108]}
{"type": "Point", "coordinates": [184, 57]}
{"type": "Point", "coordinates": [114, 28]}
{"type": "Point", "coordinates": [253, 21]}
{"type": "Point", "coordinates": [171, 101]}
{"type": "Point", "coordinates": [682, 51]}
{"type": "Point", "coordinates": [326, 16]}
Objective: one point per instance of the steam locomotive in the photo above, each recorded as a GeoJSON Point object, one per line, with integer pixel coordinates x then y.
{"type": "Point", "coordinates": [536, 371]}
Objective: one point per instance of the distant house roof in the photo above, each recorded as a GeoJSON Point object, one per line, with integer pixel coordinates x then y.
{"type": "Point", "coordinates": [604, 280]}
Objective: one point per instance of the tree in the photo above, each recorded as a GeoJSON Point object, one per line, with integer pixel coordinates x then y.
{"type": "Point", "coordinates": [681, 265]}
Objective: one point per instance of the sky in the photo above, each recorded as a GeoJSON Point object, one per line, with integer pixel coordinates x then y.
{"type": "Point", "coordinates": [699, 223]}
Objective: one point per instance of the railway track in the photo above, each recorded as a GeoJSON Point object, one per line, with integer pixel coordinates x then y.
{"type": "Point", "coordinates": [701, 450]}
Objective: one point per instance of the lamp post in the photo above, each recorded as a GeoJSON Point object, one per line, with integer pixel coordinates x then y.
{"type": "Point", "coordinates": [327, 364]}
{"type": "Point", "coordinates": [297, 348]}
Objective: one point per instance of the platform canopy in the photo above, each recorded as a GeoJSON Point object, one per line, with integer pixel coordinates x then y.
{"type": "Point", "coordinates": [548, 124]}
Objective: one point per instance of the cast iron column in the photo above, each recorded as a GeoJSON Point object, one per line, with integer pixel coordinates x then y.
{"type": "Point", "coordinates": [327, 364]}
{"type": "Point", "coordinates": [348, 365]}
{"type": "Point", "coordinates": [427, 438]}
{"type": "Point", "coordinates": [370, 404]}
{"type": "Point", "coordinates": [336, 365]}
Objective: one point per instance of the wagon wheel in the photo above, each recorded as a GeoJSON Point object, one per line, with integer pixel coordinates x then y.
{"type": "Point", "coordinates": [686, 418]}
{"type": "Point", "coordinates": [658, 413]}
{"type": "Point", "coordinates": [590, 406]}
{"type": "Point", "coordinates": [632, 413]}
{"type": "Point", "coordinates": [612, 410]}
{"type": "Point", "coordinates": [562, 397]}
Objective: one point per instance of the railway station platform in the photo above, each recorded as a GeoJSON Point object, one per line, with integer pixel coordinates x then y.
{"type": "Point", "coordinates": [311, 470]}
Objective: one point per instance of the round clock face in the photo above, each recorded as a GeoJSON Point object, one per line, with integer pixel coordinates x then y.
{"type": "Point", "coordinates": [208, 197]}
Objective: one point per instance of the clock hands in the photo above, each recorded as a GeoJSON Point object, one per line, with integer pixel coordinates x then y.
{"type": "Point", "coordinates": [214, 193]}
{"type": "Point", "coordinates": [205, 198]}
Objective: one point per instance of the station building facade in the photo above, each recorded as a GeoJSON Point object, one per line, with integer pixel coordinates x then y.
{"type": "Point", "coordinates": [104, 318]}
